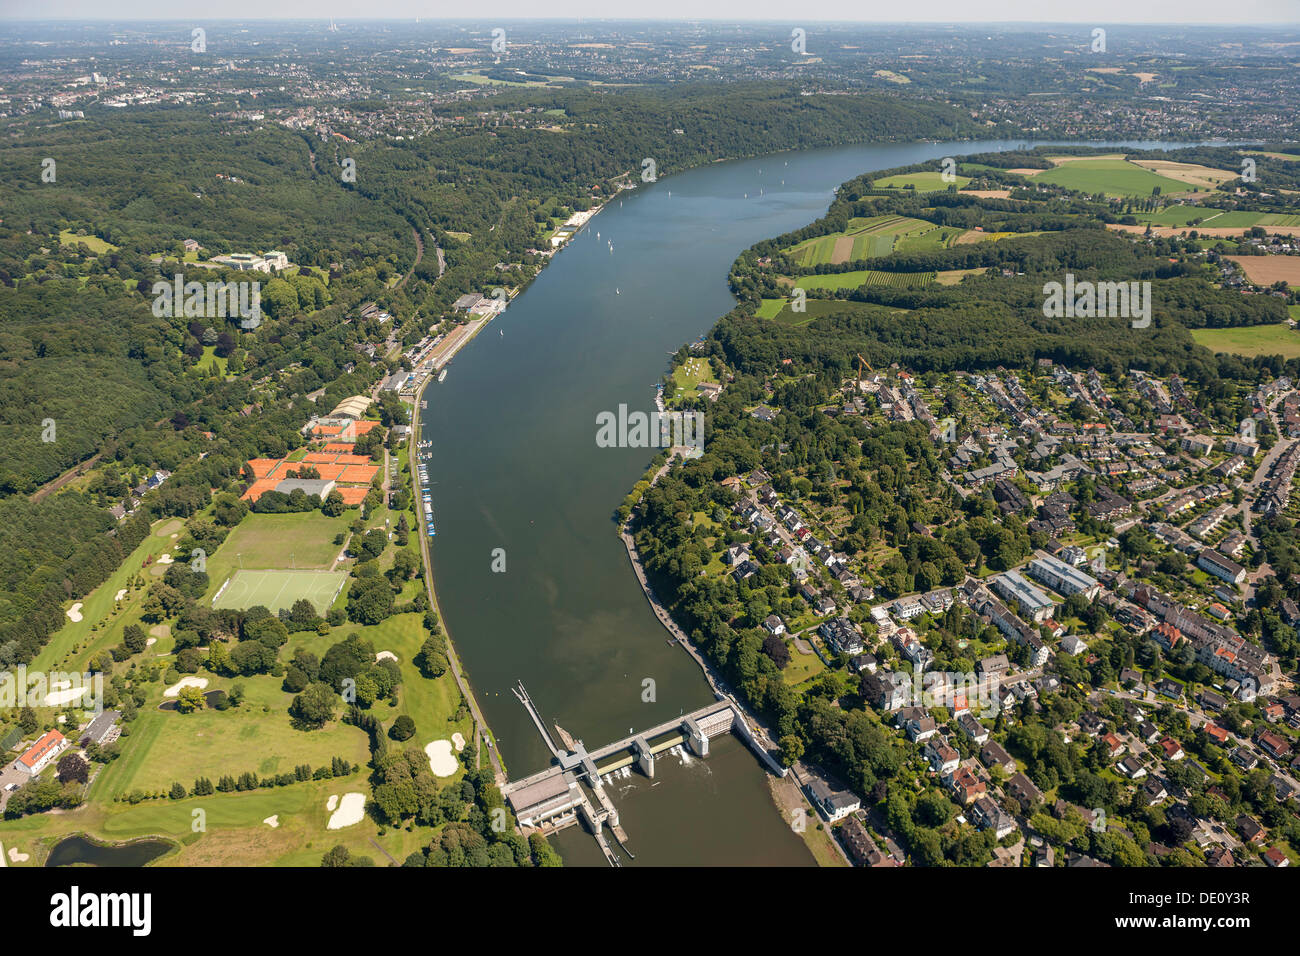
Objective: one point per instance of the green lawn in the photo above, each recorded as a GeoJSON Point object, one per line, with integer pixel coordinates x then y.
{"type": "Point", "coordinates": [926, 182]}
{"type": "Point", "coordinates": [167, 746]}
{"type": "Point", "coordinates": [1252, 340]}
{"type": "Point", "coordinates": [1113, 177]}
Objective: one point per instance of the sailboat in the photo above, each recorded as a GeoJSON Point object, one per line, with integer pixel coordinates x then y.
{"type": "Point", "coordinates": [616, 292]}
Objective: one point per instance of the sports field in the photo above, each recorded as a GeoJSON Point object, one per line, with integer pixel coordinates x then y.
{"type": "Point", "coordinates": [1252, 340]}
{"type": "Point", "coordinates": [868, 238]}
{"type": "Point", "coordinates": [276, 590]}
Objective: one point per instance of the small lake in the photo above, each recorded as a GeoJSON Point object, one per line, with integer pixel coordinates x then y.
{"type": "Point", "coordinates": [79, 851]}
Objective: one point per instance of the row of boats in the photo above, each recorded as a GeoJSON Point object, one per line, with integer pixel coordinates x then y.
{"type": "Point", "coordinates": [426, 496]}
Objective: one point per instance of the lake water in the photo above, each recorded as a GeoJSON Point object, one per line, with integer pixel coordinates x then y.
{"type": "Point", "coordinates": [516, 466]}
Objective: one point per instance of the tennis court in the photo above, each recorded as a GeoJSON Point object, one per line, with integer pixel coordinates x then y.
{"type": "Point", "coordinates": [276, 590]}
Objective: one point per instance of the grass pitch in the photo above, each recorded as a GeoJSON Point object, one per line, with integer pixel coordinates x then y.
{"type": "Point", "coordinates": [276, 590]}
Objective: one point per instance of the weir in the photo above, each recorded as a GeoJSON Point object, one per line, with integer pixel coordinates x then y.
{"type": "Point", "coordinates": [557, 797]}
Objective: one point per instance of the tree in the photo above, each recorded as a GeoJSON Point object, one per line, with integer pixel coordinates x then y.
{"type": "Point", "coordinates": [72, 768]}
{"type": "Point", "coordinates": [333, 505]}
{"type": "Point", "coordinates": [189, 699]}
{"type": "Point", "coordinates": [370, 600]}
{"type": "Point", "coordinates": [791, 749]}
{"type": "Point", "coordinates": [27, 721]}
{"type": "Point", "coordinates": [315, 706]}
{"type": "Point", "coordinates": [403, 728]}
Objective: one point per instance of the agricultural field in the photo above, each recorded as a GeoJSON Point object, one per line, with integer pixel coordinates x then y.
{"type": "Point", "coordinates": [1200, 177]}
{"type": "Point", "coordinates": [1250, 341]}
{"type": "Point", "coordinates": [864, 239]}
{"type": "Point", "coordinates": [1265, 270]}
{"type": "Point", "coordinates": [926, 182]}
{"type": "Point", "coordinates": [860, 277]}
{"type": "Point", "coordinates": [1111, 177]}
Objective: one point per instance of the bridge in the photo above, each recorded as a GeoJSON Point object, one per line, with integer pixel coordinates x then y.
{"type": "Point", "coordinates": [571, 789]}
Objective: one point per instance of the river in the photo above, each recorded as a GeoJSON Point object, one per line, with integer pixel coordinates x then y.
{"type": "Point", "coordinates": [515, 466]}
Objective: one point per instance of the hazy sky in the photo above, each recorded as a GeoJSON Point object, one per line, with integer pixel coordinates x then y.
{"type": "Point", "coordinates": [1094, 12]}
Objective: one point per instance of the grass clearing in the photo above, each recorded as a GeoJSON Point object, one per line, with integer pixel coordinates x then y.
{"type": "Point", "coordinates": [95, 244]}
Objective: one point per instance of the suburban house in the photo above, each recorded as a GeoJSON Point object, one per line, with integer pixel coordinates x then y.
{"type": "Point", "coordinates": [832, 805]}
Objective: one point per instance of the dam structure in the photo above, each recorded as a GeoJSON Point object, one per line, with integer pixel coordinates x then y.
{"type": "Point", "coordinates": [571, 791]}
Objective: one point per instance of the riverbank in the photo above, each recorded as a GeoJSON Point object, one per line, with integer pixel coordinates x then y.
{"type": "Point", "coordinates": [786, 790]}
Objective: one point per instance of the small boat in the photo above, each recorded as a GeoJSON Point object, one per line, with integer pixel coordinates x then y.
{"type": "Point", "coordinates": [443, 375]}
{"type": "Point", "coordinates": [616, 292]}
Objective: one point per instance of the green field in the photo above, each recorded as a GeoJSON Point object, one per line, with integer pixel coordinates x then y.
{"type": "Point", "coordinates": [1112, 177]}
{"type": "Point", "coordinates": [278, 590]}
{"type": "Point", "coordinates": [301, 540]}
{"type": "Point", "coordinates": [926, 182]}
{"type": "Point", "coordinates": [871, 237]}
{"type": "Point", "coordinates": [1251, 340]}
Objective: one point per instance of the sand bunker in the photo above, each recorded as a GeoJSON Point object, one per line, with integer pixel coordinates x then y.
{"type": "Point", "coordinates": [459, 740]}
{"type": "Point", "coordinates": [120, 594]}
{"type": "Point", "coordinates": [441, 761]}
{"type": "Point", "coordinates": [191, 681]}
{"type": "Point", "coordinates": [385, 656]}
{"type": "Point", "coordinates": [74, 612]}
{"type": "Point", "coordinates": [164, 559]}
{"type": "Point", "coordinates": [351, 810]}
{"type": "Point", "coordinates": [16, 857]}
{"type": "Point", "coordinates": [64, 693]}
{"type": "Point", "coordinates": [272, 821]}
{"type": "Point", "coordinates": [332, 802]}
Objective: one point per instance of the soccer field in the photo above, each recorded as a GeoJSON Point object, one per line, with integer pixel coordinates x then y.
{"type": "Point", "coordinates": [276, 590]}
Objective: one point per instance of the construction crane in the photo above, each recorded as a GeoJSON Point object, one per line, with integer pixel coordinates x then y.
{"type": "Point", "coordinates": [862, 362]}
